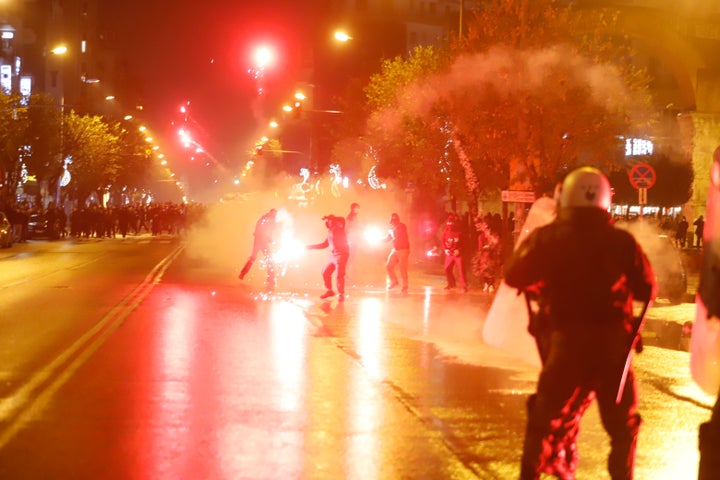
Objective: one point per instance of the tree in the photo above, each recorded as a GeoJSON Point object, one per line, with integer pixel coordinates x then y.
{"type": "Point", "coordinates": [95, 151]}
{"type": "Point", "coordinates": [525, 96]}
{"type": "Point", "coordinates": [134, 161]}
{"type": "Point", "coordinates": [13, 122]}
{"type": "Point", "coordinates": [408, 146]}
{"type": "Point", "coordinates": [43, 138]}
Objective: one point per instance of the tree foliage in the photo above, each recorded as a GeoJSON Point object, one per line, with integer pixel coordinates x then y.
{"type": "Point", "coordinates": [134, 159]}
{"type": "Point", "coordinates": [13, 122]}
{"type": "Point", "coordinates": [43, 137]}
{"type": "Point", "coordinates": [95, 151]}
{"type": "Point", "coordinates": [37, 135]}
{"type": "Point", "coordinates": [529, 93]}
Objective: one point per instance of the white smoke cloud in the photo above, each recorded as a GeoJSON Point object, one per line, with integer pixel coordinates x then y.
{"type": "Point", "coordinates": [509, 72]}
{"type": "Point", "coordinates": [223, 241]}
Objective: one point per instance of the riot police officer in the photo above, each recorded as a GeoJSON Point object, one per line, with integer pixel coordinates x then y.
{"type": "Point", "coordinates": [587, 274]}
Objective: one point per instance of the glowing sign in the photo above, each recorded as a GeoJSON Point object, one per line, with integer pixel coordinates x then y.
{"type": "Point", "coordinates": [638, 146]}
{"type": "Point", "coordinates": [6, 78]}
{"type": "Point", "coordinates": [65, 179]}
{"type": "Point", "coordinates": [25, 86]}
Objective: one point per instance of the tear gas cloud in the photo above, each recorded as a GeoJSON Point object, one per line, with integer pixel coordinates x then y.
{"type": "Point", "coordinates": [224, 239]}
{"type": "Point", "coordinates": [510, 72]}
{"type": "Point", "coordinates": [665, 259]}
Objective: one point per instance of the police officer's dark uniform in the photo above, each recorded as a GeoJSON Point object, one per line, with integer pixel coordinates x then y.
{"type": "Point", "coordinates": [586, 273]}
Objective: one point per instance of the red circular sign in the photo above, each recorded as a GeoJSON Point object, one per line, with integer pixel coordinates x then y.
{"type": "Point", "coordinates": [642, 175]}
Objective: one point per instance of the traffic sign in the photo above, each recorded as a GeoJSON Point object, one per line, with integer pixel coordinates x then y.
{"type": "Point", "coordinates": [642, 175]}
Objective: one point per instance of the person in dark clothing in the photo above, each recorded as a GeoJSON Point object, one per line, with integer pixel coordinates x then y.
{"type": "Point", "coordinates": [699, 227]}
{"type": "Point", "coordinates": [400, 253]}
{"type": "Point", "coordinates": [123, 218]}
{"type": "Point", "coordinates": [264, 237]}
{"type": "Point", "coordinates": [352, 219]}
{"type": "Point", "coordinates": [586, 274]}
{"type": "Point", "coordinates": [681, 232]}
{"type": "Point", "coordinates": [452, 242]}
{"type": "Point", "coordinates": [339, 254]}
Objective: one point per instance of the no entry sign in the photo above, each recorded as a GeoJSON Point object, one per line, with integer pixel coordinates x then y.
{"type": "Point", "coordinates": [642, 175]}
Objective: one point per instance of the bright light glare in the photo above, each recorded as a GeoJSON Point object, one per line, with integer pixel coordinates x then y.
{"type": "Point", "coordinates": [264, 56]}
{"type": "Point", "coordinates": [374, 235]}
{"type": "Point", "coordinates": [288, 247]}
{"type": "Point", "coordinates": [341, 36]}
{"type": "Point", "coordinates": [59, 50]}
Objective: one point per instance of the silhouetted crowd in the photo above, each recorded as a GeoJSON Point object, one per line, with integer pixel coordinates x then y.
{"type": "Point", "coordinates": [96, 221]}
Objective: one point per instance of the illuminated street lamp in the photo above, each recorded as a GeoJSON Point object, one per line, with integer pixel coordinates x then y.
{"type": "Point", "coordinates": [64, 179]}
{"type": "Point", "coordinates": [341, 36]}
{"type": "Point", "coordinates": [264, 56]}
{"type": "Point", "coordinates": [59, 50]}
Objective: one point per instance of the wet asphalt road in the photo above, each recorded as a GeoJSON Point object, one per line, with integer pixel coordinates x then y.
{"type": "Point", "coordinates": [131, 359]}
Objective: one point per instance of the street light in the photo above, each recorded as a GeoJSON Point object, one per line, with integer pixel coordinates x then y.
{"type": "Point", "coordinates": [264, 56]}
{"type": "Point", "coordinates": [341, 36]}
{"type": "Point", "coordinates": [59, 50]}
{"type": "Point", "coordinates": [63, 178]}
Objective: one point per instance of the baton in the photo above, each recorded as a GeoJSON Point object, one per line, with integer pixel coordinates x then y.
{"type": "Point", "coordinates": [628, 360]}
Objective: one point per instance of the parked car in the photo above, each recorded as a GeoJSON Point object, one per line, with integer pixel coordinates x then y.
{"type": "Point", "coordinates": [6, 231]}
{"type": "Point", "coordinates": [37, 226]}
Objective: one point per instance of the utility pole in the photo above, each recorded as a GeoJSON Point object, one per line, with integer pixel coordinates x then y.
{"type": "Point", "coordinates": [460, 27]}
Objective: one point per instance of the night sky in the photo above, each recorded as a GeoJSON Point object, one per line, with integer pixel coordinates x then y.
{"type": "Point", "coordinates": [179, 50]}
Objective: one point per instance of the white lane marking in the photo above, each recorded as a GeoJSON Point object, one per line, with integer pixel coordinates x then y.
{"type": "Point", "coordinates": [39, 390]}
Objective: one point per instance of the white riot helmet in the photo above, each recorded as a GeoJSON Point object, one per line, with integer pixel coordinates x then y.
{"type": "Point", "coordinates": [586, 187]}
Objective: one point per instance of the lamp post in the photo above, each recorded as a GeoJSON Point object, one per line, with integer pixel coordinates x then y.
{"type": "Point", "coordinates": [64, 177]}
